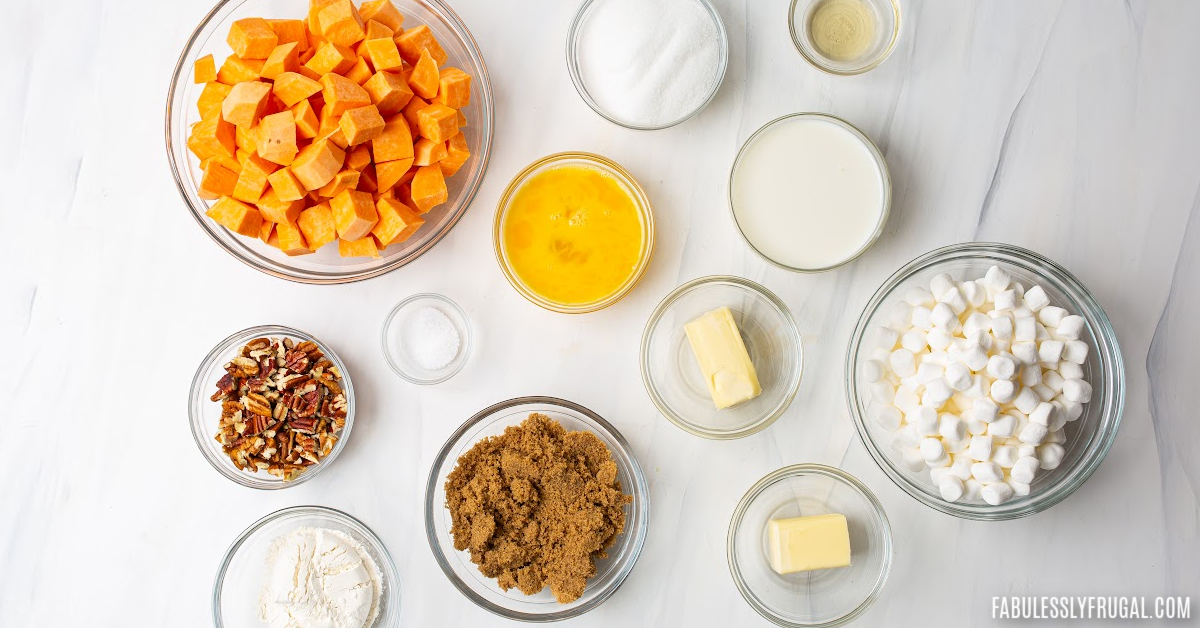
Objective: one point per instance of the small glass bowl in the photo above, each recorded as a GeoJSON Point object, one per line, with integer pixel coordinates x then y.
{"type": "Point", "coordinates": [465, 575]}
{"type": "Point", "coordinates": [887, 33]}
{"type": "Point", "coordinates": [391, 339]}
{"type": "Point", "coordinates": [1088, 438]}
{"type": "Point", "coordinates": [672, 376]}
{"type": "Point", "coordinates": [204, 414]}
{"type": "Point", "coordinates": [884, 173]}
{"type": "Point", "coordinates": [605, 165]}
{"type": "Point", "coordinates": [576, 31]}
{"type": "Point", "coordinates": [326, 266]}
{"type": "Point", "coordinates": [235, 599]}
{"type": "Point", "coordinates": [825, 597]}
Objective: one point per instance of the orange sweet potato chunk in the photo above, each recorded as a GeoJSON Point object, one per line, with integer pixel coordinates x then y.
{"type": "Point", "coordinates": [437, 122]}
{"type": "Point", "coordinates": [341, 23]}
{"type": "Point", "coordinates": [246, 103]}
{"type": "Point", "coordinates": [204, 70]}
{"type": "Point", "coordinates": [236, 216]}
{"type": "Point", "coordinates": [429, 188]}
{"type": "Point", "coordinates": [424, 78]}
{"type": "Point", "coordinates": [307, 122]}
{"type": "Point", "coordinates": [346, 179]}
{"type": "Point", "coordinates": [286, 186]}
{"type": "Point", "coordinates": [290, 239]}
{"type": "Point", "coordinates": [383, 54]}
{"type": "Point", "coordinates": [416, 40]}
{"type": "Point", "coordinates": [235, 70]}
{"type": "Point", "coordinates": [390, 173]}
{"type": "Point", "coordinates": [454, 88]}
{"type": "Point", "coordinates": [284, 58]}
{"type": "Point", "coordinates": [384, 12]}
{"type": "Point", "coordinates": [377, 29]}
{"type": "Point", "coordinates": [217, 180]}
{"type": "Point", "coordinates": [354, 214]}
{"type": "Point", "coordinates": [316, 223]}
{"type": "Point", "coordinates": [361, 72]}
{"type": "Point", "coordinates": [428, 152]}
{"type": "Point", "coordinates": [266, 232]}
{"type": "Point", "coordinates": [253, 179]}
{"type": "Point", "coordinates": [331, 57]}
{"type": "Point", "coordinates": [278, 210]}
{"type": "Point", "coordinates": [291, 88]}
{"type": "Point", "coordinates": [212, 136]}
{"type": "Point", "coordinates": [363, 247]}
{"type": "Point", "coordinates": [397, 222]}
{"type": "Point", "coordinates": [317, 164]}
{"type": "Point", "coordinates": [252, 38]}
{"type": "Point", "coordinates": [361, 124]}
{"type": "Point", "coordinates": [288, 31]}
{"type": "Point", "coordinates": [457, 154]}
{"type": "Point", "coordinates": [341, 94]}
{"type": "Point", "coordinates": [414, 106]}
{"type": "Point", "coordinates": [314, 16]}
{"type": "Point", "coordinates": [211, 98]}
{"type": "Point", "coordinates": [389, 91]}
{"type": "Point", "coordinates": [395, 142]}
{"type": "Point", "coordinates": [246, 139]}
{"type": "Point", "coordinates": [359, 157]}
{"type": "Point", "coordinates": [277, 138]}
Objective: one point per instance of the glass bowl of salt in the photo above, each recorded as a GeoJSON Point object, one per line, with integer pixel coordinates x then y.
{"type": "Point", "coordinates": [426, 338]}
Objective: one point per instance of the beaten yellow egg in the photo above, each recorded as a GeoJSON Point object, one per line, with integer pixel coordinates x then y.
{"type": "Point", "coordinates": [574, 234]}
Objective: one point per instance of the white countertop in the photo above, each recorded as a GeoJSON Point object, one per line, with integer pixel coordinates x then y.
{"type": "Point", "coordinates": [1068, 128]}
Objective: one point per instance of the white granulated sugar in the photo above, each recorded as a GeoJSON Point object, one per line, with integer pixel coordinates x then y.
{"type": "Point", "coordinates": [319, 578]}
{"type": "Point", "coordinates": [430, 339]}
{"type": "Point", "coordinates": [649, 62]}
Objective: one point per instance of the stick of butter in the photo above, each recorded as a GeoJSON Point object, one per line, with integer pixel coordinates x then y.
{"type": "Point", "coordinates": [723, 360]}
{"type": "Point", "coordinates": [808, 543]}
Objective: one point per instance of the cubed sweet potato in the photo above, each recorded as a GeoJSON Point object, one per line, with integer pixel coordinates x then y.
{"type": "Point", "coordinates": [395, 142]}
{"type": "Point", "coordinates": [235, 70]}
{"type": "Point", "coordinates": [415, 40]}
{"type": "Point", "coordinates": [313, 20]}
{"type": "Point", "coordinates": [290, 239]}
{"type": "Point", "coordinates": [414, 106]}
{"type": "Point", "coordinates": [377, 29]}
{"type": "Point", "coordinates": [277, 138]}
{"type": "Point", "coordinates": [288, 31]}
{"type": "Point", "coordinates": [457, 154]}
{"type": "Point", "coordinates": [363, 247]}
{"type": "Point", "coordinates": [252, 38]}
{"type": "Point", "coordinates": [359, 157]}
{"type": "Point", "coordinates": [252, 181]}
{"type": "Point", "coordinates": [331, 57]}
{"type": "Point", "coordinates": [361, 71]}
{"type": "Point", "coordinates": [429, 188]}
{"type": "Point", "coordinates": [316, 223]}
{"type": "Point", "coordinates": [317, 163]}
{"type": "Point", "coordinates": [346, 179]}
{"type": "Point", "coordinates": [204, 70]}
{"type": "Point", "coordinates": [383, 54]}
{"type": "Point", "coordinates": [236, 216]}
{"type": "Point", "coordinates": [246, 138]}
{"type": "Point", "coordinates": [367, 181]}
{"type": "Point", "coordinates": [211, 98]}
{"type": "Point", "coordinates": [278, 210]}
{"type": "Point", "coordinates": [284, 58]}
{"type": "Point", "coordinates": [428, 152]}
{"type": "Point", "coordinates": [437, 122]}
{"type": "Point", "coordinates": [291, 87]}
{"type": "Point", "coordinates": [425, 76]}
{"type": "Point", "coordinates": [354, 214]}
{"type": "Point", "coordinates": [341, 23]}
{"type": "Point", "coordinates": [389, 91]}
{"type": "Point", "coordinates": [342, 94]}
{"type": "Point", "coordinates": [266, 231]}
{"type": "Point", "coordinates": [287, 187]}
{"type": "Point", "coordinates": [216, 180]}
{"type": "Point", "coordinates": [397, 222]}
{"type": "Point", "coordinates": [212, 136]}
{"type": "Point", "coordinates": [390, 173]}
{"type": "Point", "coordinates": [246, 103]}
{"type": "Point", "coordinates": [361, 124]}
{"type": "Point", "coordinates": [384, 12]}
{"type": "Point", "coordinates": [454, 88]}
{"type": "Point", "coordinates": [307, 123]}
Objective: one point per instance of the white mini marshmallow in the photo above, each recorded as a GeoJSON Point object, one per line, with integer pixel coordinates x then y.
{"type": "Point", "coordinates": [1005, 300]}
{"type": "Point", "coordinates": [886, 337]}
{"type": "Point", "coordinates": [932, 449]}
{"type": "Point", "coordinates": [936, 474]}
{"type": "Point", "coordinates": [1025, 450]}
{"type": "Point", "coordinates": [1024, 469]}
{"type": "Point", "coordinates": [1020, 489]}
{"type": "Point", "coordinates": [985, 410]}
{"type": "Point", "coordinates": [1033, 433]}
{"type": "Point", "coordinates": [906, 399]}
{"type": "Point", "coordinates": [1004, 455]}
{"type": "Point", "coordinates": [1001, 367]}
{"type": "Point", "coordinates": [1025, 352]}
{"type": "Point", "coordinates": [1003, 391]}
{"type": "Point", "coordinates": [1030, 375]}
{"type": "Point", "coordinates": [974, 356]}
{"type": "Point", "coordinates": [1075, 351]}
{"type": "Point", "coordinates": [914, 340]}
{"type": "Point", "coordinates": [937, 392]}
{"type": "Point", "coordinates": [958, 376]}
{"type": "Point", "coordinates": [881, 354]}
{"type": "Point", "coordinates": [939, 339]}
{"type": "Point", "coordinates": [997, 278]}
{"type": "Point", "coordinates": [944, 318]}
{"type": "Point", "coordinates": [906, 437]}
{"type": "Point", "coordinates": [912, 460]}
{"type": "Point", "coordinates": [1050, 351]}
{"type": "Point", "coordinates": [1002, 328]}
{"type": "Point", "coordinates": [1077, 390]}
{"type": "Point", "coordinates": [1053, 381]}
{"type": "Point", "coordinates": [1070, 370]}
{"type": "Point", "coordinates": [1003, 427]}
{"type": "Point", "coordinates": [1024, 329]}
{"type": "Point", "coordinates": [919, 296]}
{"type": "Point", "coordinates": [977, 322]}
{"type": "Point", "coordinates": [960, 466]}
{"type": "Point", "coordinates": [900, 316]}
{"type": "Point", "coordinates": [929, 371]}
{"type": "Point", "coordinates": [975, 427]}
{"type": "Point", "coordinates": [951, 488]}
{"type": "Point", "coordinates": [1022, 310]}
{"type": "Point", "coordinates": [1051, 315]}
{"type": "Point", "coordinates": [903, 362]}
{"type": "Point", "coordinates": [980, 448]}
{"type": "Point", "coordinates": [987, 472]}
{"type": "Point", "coordinates": [998, 493]}
{"type": "Point", "coordinates": [979, 387]}
{"type": "Point", "coordinates": [1042, 414]}
{"type": "Point", "coordinates": [955, 299]}
{"type": "Point", "coordinates": [951, 427]}
{"type": "Point", "coordinates": [1044, 392]}
{"type": "Point", "coordinates": [872, 371]}
{"type": "Point", "coordinates": [887, 417]}
{"type": "Point", "coordinates": [944, 461]}
{"type": "Point", "coordinates": [1070, 327]}
{"type": "Point", "coordinates": [940, 284]}
{"type": "Point", "coordinates": [1050, 456]}
{"type": "Point", "coordinates": [939, 358]}
{"type": "Point", "coordinates": [922, 318]}
{"type": "Point", "coordinates": [956, 446]}
{"type": "Point", "coordinates": [1056, 436]}
{"type": "Point", "coordinates": [1071, 410]}
{"type": "Point", "coordinates": [1036, 299]}
{"type": "Point", "coordinates": [1041, 333]}
{"type": "Point", "coordinates": [1025, 401]}
{"type": "Point", "coordinates": [924, 420]}
{"type": "Point", "coordinates": [974, 295]}
{"type": "Point", "coordinates": [972, 490]}
{"type": "Point", "coordinates": [883, 391]}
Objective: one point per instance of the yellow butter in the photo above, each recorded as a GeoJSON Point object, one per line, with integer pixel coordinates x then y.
{"type": "Point", "coordinates": [726, 366]}
{"type": "Point", "coordinates": [807, 543]}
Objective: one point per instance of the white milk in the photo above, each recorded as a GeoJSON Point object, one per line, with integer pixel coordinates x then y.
{"type": "Point", "coordinates": [808, 193]}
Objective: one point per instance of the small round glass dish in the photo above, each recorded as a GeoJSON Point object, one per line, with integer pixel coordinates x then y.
{"type": "Point", "coordinates": [574, 51]}
{"type": "Point", "coordinates": [672, 375]}
{"type": "Point", "coordinates": [326, 266]}
{"type": "Point", "coordinates": [243, 571]}
{"type": "Point", "coordinates": [1088, 438]}
{"type": "Point", "coordinates": [394, 340]}
{"type": "Point", "coordinates": [824, 597]}
{"type": "Point", "coordinates": [205, 414]}
{"type": "Point", "coordinates": [610, 571]}
{"type": "Point", "coordinates": [854, 51]}
{"type": "Point", "coordinates": [628, 185]}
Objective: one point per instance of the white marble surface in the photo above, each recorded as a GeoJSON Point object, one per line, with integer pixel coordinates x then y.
{"type": "Point", "coordinates": [1069, 128]}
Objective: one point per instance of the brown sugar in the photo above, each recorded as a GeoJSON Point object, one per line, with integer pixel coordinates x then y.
{"type": "Point", "coordinates": [536, 506]}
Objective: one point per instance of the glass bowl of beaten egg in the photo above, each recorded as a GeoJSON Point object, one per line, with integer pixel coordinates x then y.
{"type": "Point", "coordinates": [822, 597]}
{"type": "Point", "coordinates": [573, 232]}
{"type": "Point", "coordinates": [672, 374]}
{"type": "Point", "coordinates": [1089, 437]}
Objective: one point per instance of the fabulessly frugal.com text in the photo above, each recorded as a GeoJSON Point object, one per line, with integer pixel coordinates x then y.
{"type": "Point", "coordinates": [1091, 607]}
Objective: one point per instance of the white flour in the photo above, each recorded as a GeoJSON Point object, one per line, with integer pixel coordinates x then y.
{"type": "Point", "coordinates": [319, 578]}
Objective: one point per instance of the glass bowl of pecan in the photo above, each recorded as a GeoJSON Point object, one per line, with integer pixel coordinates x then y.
{"type": "Point", "coordinates": [271, 406]}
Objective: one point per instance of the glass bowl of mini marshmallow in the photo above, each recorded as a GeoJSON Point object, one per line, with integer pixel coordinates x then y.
{"type": "Point", "coordinates": [995, 399]}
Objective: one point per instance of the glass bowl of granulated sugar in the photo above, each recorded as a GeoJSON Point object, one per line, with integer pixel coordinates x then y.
{"type": "Point", "coordinates": [647, 65]}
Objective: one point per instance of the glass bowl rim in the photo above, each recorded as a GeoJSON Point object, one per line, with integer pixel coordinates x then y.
{"type": "Point", "coordinates": [640, 491]}
{"type": "Point", "coordinates": [797, 470]}
{"type": "Point", "coordinates": [885, 181]}
{"type": "Point", "coordinates": [1112, 376]}
{"type": "Point", "coordinates": [388, 574]}
{"type": "Point", "coordinates": [487, 118]}
{"type": "Point", "coordinates": [573, 34]}
{"type": "Point", "coordinates": [652, 389]}
{"type": "Point", "coordinates": [823, 66]}
{"type": "Point", "coordinates": [614, 169]}
{"type": "Point", "coordinates": [464, 351]}
{"type": "Point", "coordinates": [196, 398]}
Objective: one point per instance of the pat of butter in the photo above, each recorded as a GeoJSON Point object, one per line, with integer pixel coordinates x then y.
{"type": "Point", "coordinates": [807, 543]}
{"type": "Point", "coordinates": [726, 366]}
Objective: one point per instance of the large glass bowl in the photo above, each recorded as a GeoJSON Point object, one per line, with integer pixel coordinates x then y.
{"type": "Point", "coordinates": [1088, 438]}
{"type": "Point", "coordinates": [326, 266]}
{"type": "Point", "coordinates": [204, 415]}
{"type": "Point", "coordinates": [235, 598]}
{"type": "Point", "coordinates": [512, 604]}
